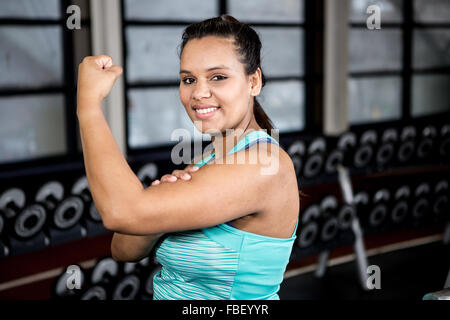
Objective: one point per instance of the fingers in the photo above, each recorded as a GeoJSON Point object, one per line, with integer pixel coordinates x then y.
{"type": "Point", "coordinates": [177, 174]}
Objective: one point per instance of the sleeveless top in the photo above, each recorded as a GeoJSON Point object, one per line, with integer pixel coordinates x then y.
{"type": "Point", "coordinates": [222, 262]}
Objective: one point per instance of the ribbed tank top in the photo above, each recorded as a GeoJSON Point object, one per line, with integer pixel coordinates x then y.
{"type": "Point", "coordinates": [222, 262]}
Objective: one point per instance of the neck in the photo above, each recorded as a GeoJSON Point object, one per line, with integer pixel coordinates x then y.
{"type": "Point", "coordinates": [226, 140]}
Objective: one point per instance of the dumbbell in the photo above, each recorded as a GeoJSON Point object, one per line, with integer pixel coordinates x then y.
{"type": "Point", "coordinates": [328, 222]}
{"type": "Point", "coordinates": [425, 152]}
{"type": "Point", "coordinates": [65, 223]}
{"type": "Point", "coordinates": [60, 289]}
{"type": "Point", "coordinates": [347, 144]}
{"type": "Point", "coordinates": [444, 144]}
{"type": "Point", "coordinates": [335, 155]}
{"type": "Point", "coordinates": [147, 174]}
{"type": "Point", "coordinates": [315, 158]}
{"type": "Point", "coordinates": [421, 207]}
{"type": "Point", "coordinates": [102, 280]}
{"type": "Point", "coordinates": [148, 285]}
{"type": "Point", "coordinates": [129, 286]}
{"type": "Point", "coordinates": [11, 203]}
{"type": "Point", "coordinates": [92, 221]}
{"type": "Point", "coordinates": [309, 228]}
{"type": "Point", "coordinates": [401, 205]}
{"type": "Point", "coordinates": [297, 153]}
{"type": "Point", "coordinates": [406, 146]}
{"type": "Point", "coordinates": [345, 216]}
{"type": "Point", "coordinates": [23, 225]}
{"type": "Point", "coordinates": [440, 201]}
{"type": "Point", "coordinates": [365, 150]}
{"type": "Point", "coordinates": [380, 209]}
{"type": "Point", "coordinates": [361, 202]}
{"type": "Point", "coordinates": [386, 149]}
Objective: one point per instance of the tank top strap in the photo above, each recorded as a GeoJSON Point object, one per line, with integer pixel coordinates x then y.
{"type": "Point", "coordinates": [295, 230]}
{"type": "Point", "coordinates": [252, 138]}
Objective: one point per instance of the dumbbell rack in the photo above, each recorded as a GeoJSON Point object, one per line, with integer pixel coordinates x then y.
{"type": "Point", "coordinates": [358, 245]}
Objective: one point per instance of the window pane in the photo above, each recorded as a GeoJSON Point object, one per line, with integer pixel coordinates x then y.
{"type": "Point", "coordinates": [371, 50]}
{"type": "Point", "coordinates": [153, 53]}
{"type": "Point", "coordinates": [170, 9]}
{"type": "Point", "coordinates": [374, 99]}
{"type": "Point", "coordinates": [284, 103]}
{"type": "Point", "coordinates": [30, 9]}
{"type": "Point", "coordinates": [153, 114]}
{"type": "Point", "coordinates": [22, 65]}
{"type": "Point", "coordinates": [282, 51]}
{"type": "Point", "coordinates": [391, 10]}
{"type": "Point", "coordinates": [431, 48]}
{"type": "Point", "coordinates": [267, 10]}
{"type": "Point", "coordinates": [432, 10]}
{"type": "Point", "coordinates": [31, 126]}
{"type": "Point", "coordinates": [430, 94]}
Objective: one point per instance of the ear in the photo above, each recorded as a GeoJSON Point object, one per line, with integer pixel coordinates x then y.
{"type": "Point", "coordinates": [255, 82]}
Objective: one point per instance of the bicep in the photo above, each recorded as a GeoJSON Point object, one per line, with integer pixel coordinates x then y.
{"type": "Point", "coordinates": [215, 194]}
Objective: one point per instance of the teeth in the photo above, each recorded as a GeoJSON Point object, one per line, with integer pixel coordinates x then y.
{"type": "Point", "coordinates": [205, 110]}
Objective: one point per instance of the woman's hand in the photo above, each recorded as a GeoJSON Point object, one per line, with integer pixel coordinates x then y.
{"type": "Point", "coordinates": [177, 174]}
{"type": "Point", "coordinates": [96, 77]}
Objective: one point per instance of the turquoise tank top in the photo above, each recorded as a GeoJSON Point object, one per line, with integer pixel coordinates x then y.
{"type": "Point", "coordinates": [222, 262]}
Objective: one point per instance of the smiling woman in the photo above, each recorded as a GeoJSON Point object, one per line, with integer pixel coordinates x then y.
{"type": "Point", "coordinates": [232, 222]}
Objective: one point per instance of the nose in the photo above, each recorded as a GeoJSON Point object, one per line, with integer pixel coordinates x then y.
{"type": "Point", "coordinates": [201, 91]}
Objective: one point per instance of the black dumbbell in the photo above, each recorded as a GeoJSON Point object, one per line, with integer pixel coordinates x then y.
{"type": "Point", "coordinates": [401, 205]}
{"type": "Point", "coordinates": [147, 174]}
{"type": "Point", "coordinates": [23, 225]}
{"type": "Point", "coordinates": [347, 144]}
{"type": "Point", "coordinates": [297, 153]}
{"type": "Point", "coordinates": [346, 214]}
{"type": "Point", "coordinates": [365, 150]}
{"type": "Point", "coordinates": [328, 222]}
{"type": "Point", "coordinates": [440, 201]}
{"type": "Point", "coordinates": [444, 144]}
{"type": "Point", "coordinates": [148, 291]}
{"type": "Point", "coordinates": [335, 155]}
{"type": "Point", "coordinates": [315, 158]}
{"type": "Point", "coordinates": [421, 209]}
{"type": "Point", "coordinates": [425, 151]}
{"type": "Point", "coordinates": [361, 202]}
{"type": "Point", "coordinates": [380, 209]}
{"type": "Point", "coordinates": [386, 148]}
{"type": "Point", "coordinates": [309, 230]}
{"type": "Point", "coordinates": [92, 221]}
{"type": "Point", "coordinates": [11, 203]}
{"type": "Point", "coordinates": [129, 286]}
{"type": "Point", "coordinates": [103, 278]}
{"type": "Point", "coordinates": [406, 146]}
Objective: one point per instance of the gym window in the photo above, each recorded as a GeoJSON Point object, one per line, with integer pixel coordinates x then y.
{"type": "Point", "coordinates": [401, 71]}
{"type": "Point", "coordinates": [38, 58]}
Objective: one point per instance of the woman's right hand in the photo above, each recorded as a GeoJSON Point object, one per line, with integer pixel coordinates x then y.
{"type": "Point", "coordinates": [177, 174]}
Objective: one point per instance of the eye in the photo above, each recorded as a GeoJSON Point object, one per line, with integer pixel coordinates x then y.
{"type": "Point", "coordinates": [187, 80]}
{"type": "Point", "coordinates": [219, 77]}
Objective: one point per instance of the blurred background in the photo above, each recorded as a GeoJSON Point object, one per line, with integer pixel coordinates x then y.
{"type": "Point", "coordinates": [349, 100]}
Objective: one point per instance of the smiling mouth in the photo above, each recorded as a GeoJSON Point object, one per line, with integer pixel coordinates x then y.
{"type": "Point", "coordinates": [205, 110]}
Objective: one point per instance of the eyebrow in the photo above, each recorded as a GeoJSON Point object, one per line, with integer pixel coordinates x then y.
{"type": "Point", "coordinates": [207, 70]}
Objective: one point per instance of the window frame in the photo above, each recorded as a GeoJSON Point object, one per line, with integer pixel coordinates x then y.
{"type": "Point", "coordinates": [72, 156]}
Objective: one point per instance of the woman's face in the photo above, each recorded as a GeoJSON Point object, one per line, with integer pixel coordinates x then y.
{"type": "Point", "coordinates": [212, 77]}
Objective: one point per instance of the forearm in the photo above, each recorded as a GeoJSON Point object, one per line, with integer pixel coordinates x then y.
{"type": "Point", "coordinates": [129, 248]}
{"type": "Point", "coordinates": [111, 181]}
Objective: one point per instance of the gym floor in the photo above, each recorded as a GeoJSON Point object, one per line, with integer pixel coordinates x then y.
{"type": "Point", "coordinates": [406, 274]}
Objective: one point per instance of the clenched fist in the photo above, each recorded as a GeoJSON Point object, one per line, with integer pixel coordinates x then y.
{"type": "Point", "coordinates": [96, 77]}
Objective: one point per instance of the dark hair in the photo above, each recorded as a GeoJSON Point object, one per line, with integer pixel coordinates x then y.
{"type": "Point", "coordinates": [248, 46]}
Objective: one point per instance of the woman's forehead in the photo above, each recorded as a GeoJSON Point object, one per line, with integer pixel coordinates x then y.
{"type": "Point", "coordinates": [207, 53]}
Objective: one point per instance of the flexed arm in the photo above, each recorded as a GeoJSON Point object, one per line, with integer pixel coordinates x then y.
{"type": "Point", "coordinates": [112, 182]}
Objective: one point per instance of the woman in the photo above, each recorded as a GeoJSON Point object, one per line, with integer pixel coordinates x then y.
{"type": "Point", "coordinates": [230, 228]}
